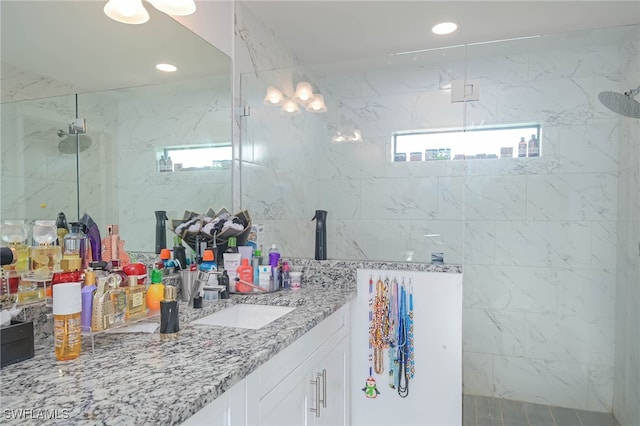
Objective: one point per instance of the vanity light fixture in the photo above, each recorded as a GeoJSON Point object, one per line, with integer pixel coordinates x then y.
{"type": "Point", "coordinates": [444, 28]}
{"type": "Point", "coordinates": [303, 96]}
{"type": "Point", "coordinates": [166, 67]}
{"type": "Point", "coordinates": [133, 12]}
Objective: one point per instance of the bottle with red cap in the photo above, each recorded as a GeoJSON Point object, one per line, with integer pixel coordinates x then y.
{"type": "Point", "coordinates": [209, 264]}
{"type": "Point", "coordinates": [245, 276]}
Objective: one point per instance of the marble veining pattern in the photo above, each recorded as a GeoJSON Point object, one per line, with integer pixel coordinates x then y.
{"type": "Point", "coordinates": [139, 379]}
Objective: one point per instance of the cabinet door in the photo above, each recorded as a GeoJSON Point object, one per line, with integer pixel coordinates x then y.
{"type": "Point", "coordinates": [226, 410]}
{"type": "Point", "coordinates": [287, 409]}
{"type": "Point", "coordinates": [333, 373]}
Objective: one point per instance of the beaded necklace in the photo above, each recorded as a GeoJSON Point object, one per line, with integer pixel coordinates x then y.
{"type": "Point", "coordinates": [379, 331]}
{"type": "Point", "coordinates": [393, 333]}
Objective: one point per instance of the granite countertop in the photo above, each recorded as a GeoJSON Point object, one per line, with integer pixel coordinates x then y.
{"type": "Point", "coordinates": [139, 379]}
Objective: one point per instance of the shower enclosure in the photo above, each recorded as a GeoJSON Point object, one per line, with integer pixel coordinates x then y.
{"type": "Point", "coordinates": [545, 242]}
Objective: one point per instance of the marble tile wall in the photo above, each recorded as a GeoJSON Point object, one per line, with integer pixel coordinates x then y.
{"type": "Point", "coordinates": [38, 180]}
{"type": "Point", "coordinates": [119, 180]}
{"type": "Point", "coordinates": [537, 237]}
{"type": "Point", "coordinates": [626, 388]}
{"type": "Point", "coordinates": [151, 118]}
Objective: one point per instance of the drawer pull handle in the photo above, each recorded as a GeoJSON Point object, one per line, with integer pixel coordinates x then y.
{"type": "Point", "coordinates": [317, 409]}
{"type": "Point", "coordinates": [324, 387]}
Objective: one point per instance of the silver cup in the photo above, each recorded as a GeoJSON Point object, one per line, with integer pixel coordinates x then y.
{"type": "Point", "coordinates": [188, 281]}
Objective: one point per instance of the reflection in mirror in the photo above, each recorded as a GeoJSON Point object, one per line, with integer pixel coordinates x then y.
{"type": "Point", "coordinates": [134, 114]}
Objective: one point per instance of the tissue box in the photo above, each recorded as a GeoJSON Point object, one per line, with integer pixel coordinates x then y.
{"type": "Point", "coordinates": [16, 341]}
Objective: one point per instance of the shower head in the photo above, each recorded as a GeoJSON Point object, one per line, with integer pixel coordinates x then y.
{"type": "Point", "coordinates": [622, 103]}
{"type": "Point", "coordinates": [67, 144]}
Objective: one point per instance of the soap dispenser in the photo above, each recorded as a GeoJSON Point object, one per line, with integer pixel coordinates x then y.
{"type": "Point", "coordinates": [321, 234]}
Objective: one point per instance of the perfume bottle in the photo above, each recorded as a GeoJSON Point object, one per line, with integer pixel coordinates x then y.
{"type": "Point", "coordinates": [169, 320]}
{"type": "Point", "coordinates": [14, 233]}
{"type": "Point", "coordinates": [62, 227]}
{"type": "Point", "coordinates": [136, 306]}
{"type": "Point", "coordinates": [75, 253]}
{"type": "Point", "coordinates": [45, 257]}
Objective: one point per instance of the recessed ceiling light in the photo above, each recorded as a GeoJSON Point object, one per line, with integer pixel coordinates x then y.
{"type": "Point", "coordinates": [166, 67]}
{"type": "Point", "coordinates": [444, 28]}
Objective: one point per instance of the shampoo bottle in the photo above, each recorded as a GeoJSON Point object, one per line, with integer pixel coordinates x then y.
{"type": "Point", "coordinates": [245, 275]}
{"type": "Point", "coordinates": [522, 148]}
{"type": "Point", "coordinates": [534, 147]}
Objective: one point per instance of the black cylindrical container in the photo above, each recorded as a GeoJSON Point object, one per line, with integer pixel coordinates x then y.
{"type": "Point", "coordinates": [169, 321]}
{"type": "Point", "coordinates": [321, 234]}
{"type": "Point", "coordinates": [161, 230]}
{"type": "Point", "coordinates": [8, 256]}
{"type": "Point", "coordinates": [223, 280]}
{"type": "Point", "coordinates": [180, 254]}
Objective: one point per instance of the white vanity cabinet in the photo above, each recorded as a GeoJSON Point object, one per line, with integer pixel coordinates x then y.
{"type": "Point", "coordinates": [306, 383]}
{"type": "Point", "coordinates": [227, 410]}
{"type": "Point", "coordinates": [311, 374]}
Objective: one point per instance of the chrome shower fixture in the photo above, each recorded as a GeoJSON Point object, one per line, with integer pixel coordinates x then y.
{"type": "Point", "coordinates": [622, 103]}
{"type": "Point", "coordinates": [72, 144]}
{"type": "Point", "coordinates": [78, 127]}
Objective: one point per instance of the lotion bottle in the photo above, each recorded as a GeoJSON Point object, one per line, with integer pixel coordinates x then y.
{"type": "Point", "coordinates": [67, 305]}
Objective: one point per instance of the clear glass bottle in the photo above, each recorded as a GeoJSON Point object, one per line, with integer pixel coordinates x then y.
{"type": "Point", "coordinates": [67, 305]}
{"type": "Point", "coordinates": [15, 234]}
{"type": "Point", "coordinates": [45, 257]}
{"type": "Point", "coordinates": [534, 147]}
{"type": "Point", "coordinates": [75, 254]}
{"type": "Point", "coordinates": [136, 304]}
{"type": "Point", "coordinates": [62, 227]}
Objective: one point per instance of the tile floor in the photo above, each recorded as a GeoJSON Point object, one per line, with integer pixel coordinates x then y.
{"type": "Point", "coordinates": [487, 411]}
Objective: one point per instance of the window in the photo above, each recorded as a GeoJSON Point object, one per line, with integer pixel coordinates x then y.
{"type": "Point", "coordinates": [470, 144]}
{"type": "Point", "coordinates": [201, 157]}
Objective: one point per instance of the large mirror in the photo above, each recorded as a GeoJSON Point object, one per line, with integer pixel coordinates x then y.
{"type": "Point", "coordinates": [63, 62]}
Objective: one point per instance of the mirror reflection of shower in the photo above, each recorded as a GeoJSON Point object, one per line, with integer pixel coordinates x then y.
{"type": "Point", "coordinates": [622, 103]}
{"type": "Point", "coordinates": [72, 144]}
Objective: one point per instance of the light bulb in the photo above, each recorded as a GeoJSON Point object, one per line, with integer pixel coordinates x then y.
{"type": "Point", "coordinates": [316, 104]}
{"type": "Point", "coordinates": [273, 97]}
{"type": "Point", "coordinates": [304, 92]}
{"type": "Point", "coordinates": [290, 107]}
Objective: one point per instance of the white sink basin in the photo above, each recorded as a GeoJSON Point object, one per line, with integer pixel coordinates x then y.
{"type": "Point", "coordinates": [245, 316]}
